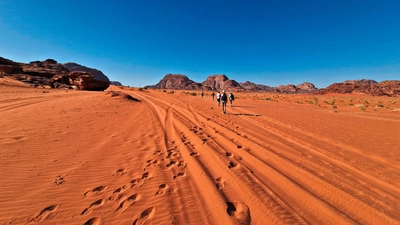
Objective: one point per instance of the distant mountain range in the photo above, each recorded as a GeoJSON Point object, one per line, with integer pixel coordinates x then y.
{"type": "Point", "coordinates": [71, 75]}
{"type": "Point", "coordinates": [222, 82]}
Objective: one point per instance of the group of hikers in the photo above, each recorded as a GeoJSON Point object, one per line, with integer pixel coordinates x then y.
{"type": "Point", "coordinates": [222, 99]}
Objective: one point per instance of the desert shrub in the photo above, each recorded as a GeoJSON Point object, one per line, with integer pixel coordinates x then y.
{"type": "Point", "coordinates": [193, 94]}
{"type": "Point", "coordinates": [315, 101]}
{"type": "Point", "coordinates": [171, 92]}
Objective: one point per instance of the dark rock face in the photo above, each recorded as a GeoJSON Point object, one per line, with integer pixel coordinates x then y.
{"type": "Point", "coordinates": [179, 82]}
{"type": "Point", "coordinates": [388, 88]}
{"type": "Point", "coordinates": [222, 82]}
{"type": "Point", "coordinates": [51, 73]}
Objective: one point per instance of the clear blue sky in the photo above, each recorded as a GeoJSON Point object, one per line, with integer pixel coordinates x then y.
{"type": "Point", "coordinates": [137, 42]}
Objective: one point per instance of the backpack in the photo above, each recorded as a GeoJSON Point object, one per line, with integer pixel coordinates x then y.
{"type": "Point", "coordinates": [224, 97]}
{"type": "Point", "coordinates": [231, 97]}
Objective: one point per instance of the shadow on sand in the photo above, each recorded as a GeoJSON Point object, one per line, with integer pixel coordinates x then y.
{"type": "Point", "coordinates": [245, 114]}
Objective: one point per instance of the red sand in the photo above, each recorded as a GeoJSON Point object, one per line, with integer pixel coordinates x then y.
{"type": "Point", "coordinates": [75, 157]}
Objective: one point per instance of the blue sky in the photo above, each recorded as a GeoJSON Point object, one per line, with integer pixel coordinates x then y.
{"type": "Point", "coordinates": [137, 42]}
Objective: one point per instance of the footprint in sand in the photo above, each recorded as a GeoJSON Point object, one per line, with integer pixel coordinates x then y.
{"type": "Point", "coordinates": [45, 213]}
{"type": "Point", "coordinates": [179, 175]}
{"type": "Point", "coordinates": [144, 216]}
{"type": "Point", "coordinates": [93, 205]}
{"type": "Point", "coordinates": [182, 164]}
{"type": "Point", "coordinates": [228, 154]}
{"type": "Point", "coordinates": [219, 183]}
{"type": "Point", "coordinates": [97, 190]}
{"type": "Point", "coordinates": [171, 163]}
{"type": "Point", "coordinates": [120, 172]}
{"type": "Point", "coordinates": [140, 181]}
{"type": "Point", "coordinates": [151, 163]}
{"type": "Point", "coordinates": [158, 152]}
{"type": "Point", "coordinates": [117, 194]}
{"type": "Point", "coordinates": [163, 188]}
{"type": "Point", "coordinates": [232, 165]}
{"type": "Point", "coordinates": [240, 211]}
{"type": "Point", "coordinates": [93, 221]}
{"type": "Point", "coordinates": [128, 202]}
{"type": "Point", "coordinates": [194, 154]}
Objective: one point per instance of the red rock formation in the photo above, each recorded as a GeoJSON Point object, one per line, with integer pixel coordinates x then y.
{"type": "Point", "coordinates": [49, 72]}
{"type": "Point", "coordinates": [250, 86]}
{"type": "Point", "coordinates": [290, 88]}
{"type": "Point", "coordinates": [306, 87]}
{"type": "Point", "coordinates": [222, 82]}
{"type": "Point", "coordinates": [178, 82]}
{"type": "Point", "coordinates": [388, 88]}
{"type": "Point", "coordinates": [78, 80]}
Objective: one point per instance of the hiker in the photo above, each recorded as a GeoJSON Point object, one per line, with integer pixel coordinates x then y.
{"type": "Point", "coordinates": [212, 95]}
{"type": "Point", "coordinates": [218, 97]}
{"type": "Point", "coordinates": [224, 99]}
{"type": "Point", "coordinates": [231, 97]}
{"type": "Point", "coordinates": [202, 94]}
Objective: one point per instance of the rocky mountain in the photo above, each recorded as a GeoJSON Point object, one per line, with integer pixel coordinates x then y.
{"type": "Point", "coordinates": [56, 75]}
{"type": "Point", "coordinates": [221, 82]}
{"type": "Point", "coordinates": [177, 81]}
{"type": "Point", "coordinates": [250, 86]}
{"type": "Point", "coordinates": [388, 88]}
{"type": "Point", "coordinates": [306, 87]}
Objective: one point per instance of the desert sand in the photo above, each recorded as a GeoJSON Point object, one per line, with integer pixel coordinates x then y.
{"type": "Point", "coordinates": [77, 157]}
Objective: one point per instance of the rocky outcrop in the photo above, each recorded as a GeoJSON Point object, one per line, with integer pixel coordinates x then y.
{"type": "Point", "coordinates": [250, 86]}
{"type": "Point", "coordinates": [306, 87]}
{"type": "Point", "coordinates": [388, 88]}
{"type": "Point", "coordinates": [78, 80]}
{"type": "Point", "coordinates": [290, 88]}
{"type": "Point", "coordinates": [179, 82]}
{"type": "Point", "coordinates": [51, 73]}
{"type": "Point", "coordinates": [222, 82]}
{"type": "Point", "coordinates": [98, 75]}
{"type": "Point", "coordinates": [362, 81]}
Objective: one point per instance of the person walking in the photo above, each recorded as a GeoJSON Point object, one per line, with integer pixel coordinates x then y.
{"type": "Point", "coordinates": [224, 99]}
{"type": "Point", "coordinates": [212, 95]}
{"type": "Point", "coordinates": [231, 97]}
{"type": "Point", "coordinates": [202, 94]}
{"type": "Point", "coordinates": [218, 97]}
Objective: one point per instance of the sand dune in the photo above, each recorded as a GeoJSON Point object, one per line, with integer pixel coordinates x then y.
{"type": "Point", "coordinates": [74, 157]}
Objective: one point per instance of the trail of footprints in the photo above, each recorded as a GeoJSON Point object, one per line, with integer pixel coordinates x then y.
{"type": "Point", "coordinates": [172, 159]}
